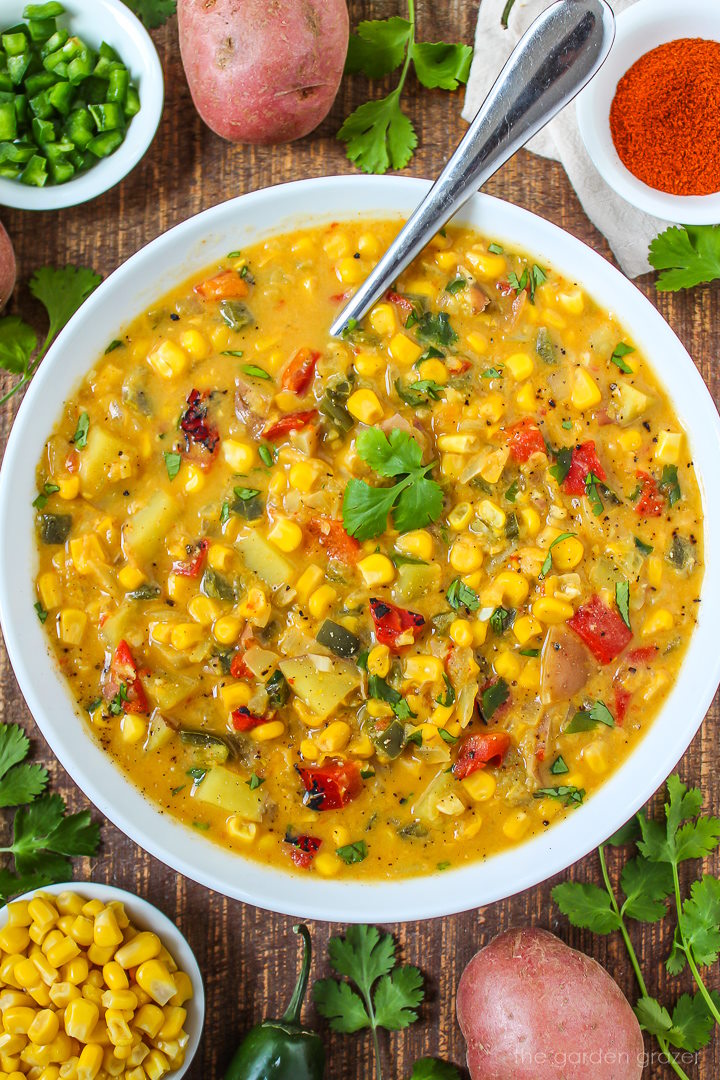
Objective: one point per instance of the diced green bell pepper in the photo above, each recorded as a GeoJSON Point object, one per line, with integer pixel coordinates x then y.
{"type": "Point", "coordinates": [14, 44]}
{"type": "Point", "coordinates": [8, 121]}
{"type": "Point", "coordinates": [43, 131]}
{"type": "Point", "coordinates": [105, 144]}
{"type": "Point", "coordinates": [35, 172]}
{"type": "Point", "coordinates": [108, 117]}
{"type": "Point", "coordinates": [118, 85]}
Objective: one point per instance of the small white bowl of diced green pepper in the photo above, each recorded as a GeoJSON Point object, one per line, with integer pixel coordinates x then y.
{"type": "Point", "coordinates": [81, 96]}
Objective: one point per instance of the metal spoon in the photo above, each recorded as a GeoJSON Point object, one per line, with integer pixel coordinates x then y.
{"type": "Point", "coordinates": [551, 63]}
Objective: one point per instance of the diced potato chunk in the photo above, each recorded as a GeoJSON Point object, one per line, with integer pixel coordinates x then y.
{"type": "Point", "coordinates": [228, 790]}
{"type": "Point", "coordinates": [321, 683]}
{"type": "Point", "coordinates": [144, 531]}
{"type": "Point", "coordinates": [264, 560]}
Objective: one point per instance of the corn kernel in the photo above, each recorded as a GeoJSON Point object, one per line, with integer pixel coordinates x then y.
{"type": "Point", "coordinates": [49, 590]}
{"type": "Point", "coordinates": [235, 695]}
{"type": "Point", "coordinates": [654, 570]}
{"type": "Point", "coordinates": [43, 912]}
{"type": "Point", "coordinates": [460, 516]}
{"type": "Point", "coordinates": [461, 632]}
{"type": "Point", "coordinates": [327, 865]}
{"type": "Point", "coordinates": [220, 557]}
{"type": "Point", "coordinates": [573, 301]}
{"type": "Point", "coordinates": [195, 344]}
{"type": "Point", "coordinates": [530, 520]}
{"type": "Point", "coordinates": [18, 1019]}
{"type": "Point", "coordinates": [595, 755]}
{"type": "Point", "coordinates": [106, 931]}
{"type": "Point", "coordinates": [585, 391]}
{"type": "Point", "coordinates": [525, 628]}
{"type": "Point", "coordinates": [458, 444]}
{"type": "Point", "coordinates": [130, 577]}
{"type": "Point", "coordinates": [382, 319]}
{"type": "Point", "coordinates": [365, 406]}
{"type": "Point", "coordinates": [44, 1027]}
{"type": "Point", "coordinates": [378, 709]}
{"type": "Point", "coordinates": [378, 661]}
{"type": "Point", "coordinates": [186, 636]}
{"type": "Point", "coordinates": [350, 271]}
{"type": "Point", "coordinates": [361, 747]}
{"type": "Point", "coordinates": [303, 476]}
{"type": "Point", "coordinates": [423, 668]}
{"type": "Point", "coordinates": [203, 610]}
{"type": "Point", "coordinates": [486, 265]}
{"type": "Point", "coordinates": [14, 939]}
{"type": "Point", "coordinates": [156, 1065]}
{"type": "Point", "coordinates": [183, 988]}
{"type": "Point", "coordinates": [76, 972]}
{"type": "Point", "coordinates": [89, 1062]}
{"type": "Point", "coordinates": [404, 350]}
{"type": "Point", "coordinates": [69, 487]}
{"type": "Point", "coordinates": [550, 610]}
{"type": "Point", "coordinates": [149, 1019]}
{"type": "Point", "coordinates": [376, 570]}
{"type": "Point", "coordinates": [507, 665]}
{"type": "Point", "coordinates": [434, 370]}
{"type": "Point", "coordinates": [368, 365]}
{"type": "Point", "coordinates": [114, 976]}
{"type": "Point", "coordinates": [520, 365]}
{"type": "Point", "coordinates": [446, 260]}
{"type": "Point", "coordinates": [419, 543]}
{"type": "Point", "coordinates": [309, 750]}
{"type": "Point", "coordinates": [516, 825]}
{"type": "Point", "coordinates": [168, 359]}
{"type": "Point", "coordinates": [334, 737]}
{"type": "Point", "coordinates": [240, 456]}
{"type": "Point", "coordinates": [630, 440]}
{"type": "Point", "coordinates": [308, 581]}
{"type": "Point", "coordinates": [144, 946]}
{"type": "Point", "coordinates": [154, 977]}
{"type": "Point", "coordinates": [657, 622]}
{"type": "Point", "coordinates": [479, 629]}
{"type": "Point", "coordinates": [465, 555]}
{"type": "Point", "coordinates": [81, 1016]}
{"type": "Point", "coordinates": [477, 343]}
{"type": "Point", "coordinates": [567, 553]}
{"type": "Point", "coordinates": [286, 534]}
{"type": "Point", "coordinates": [71, 626]}
{"type": "Point", "coordinates": [337, 244]}
{"type": "Point", "coordinates": [529, 678]}
{"type": "Point", "coordinates": [193, 479]}
{"type": "Point", "coordinates": [320, 601]}
{"type": "Point", "coordinates": [525, 398]}
{"type": "Point", "coordinates": [669, 445]}
{"type": "Point", "coordinates": [491, 514]}
{"type": "Point", "coordinates": [62, 952]}
{"type": "Point", "coordinates": [480, 785]}
{"type": "Point", "coordinates": [273, 729]}
{"type": "Point", "coordinates": [255, 607]}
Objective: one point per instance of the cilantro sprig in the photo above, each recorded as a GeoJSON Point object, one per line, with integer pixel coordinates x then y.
{"type": "Point", "coordinates": [687, 256]}
{"type": "Point", "coordinates": [44, 836]}
{"type": "Point", "coordinates": [61, 292]}
{"type": "Point", "coordinates": [379, 135]}
{"type": "Point", "coordinates": [414, 500]}
{"type": "Point", "coordinates": [386, 996]}
{"type": "Point", "coordinates": [648, 880]}
{"type": "Point", "coordinates": [152, 13]}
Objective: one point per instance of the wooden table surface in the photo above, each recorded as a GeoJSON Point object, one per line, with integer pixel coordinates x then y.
{"type": "Point", "coordinates": [248, 956]}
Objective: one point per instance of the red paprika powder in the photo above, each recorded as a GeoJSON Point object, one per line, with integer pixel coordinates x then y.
{"type": "Point", "coordinates": [665, 117]}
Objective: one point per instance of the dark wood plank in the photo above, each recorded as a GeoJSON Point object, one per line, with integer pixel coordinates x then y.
{"type": "Point", "coordinates": [249, 956]}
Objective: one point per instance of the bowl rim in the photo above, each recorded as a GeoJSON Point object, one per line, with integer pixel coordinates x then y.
{"type": "Point", "coordinates": [148, 917]}
{"type": "Point", "coordinates": [113, 19]}
{"type": "Point", "coordinates": [639, 29]}
{"type": "Point", "coordinates": [308, 896]}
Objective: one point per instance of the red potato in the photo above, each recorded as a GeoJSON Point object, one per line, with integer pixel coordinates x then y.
{"type": "Point", "coordinates": [531, 1008]}
{"type": "Point", "coordinates": [8, 268]}
{"type": "Point", "coordinates": [263, 71]}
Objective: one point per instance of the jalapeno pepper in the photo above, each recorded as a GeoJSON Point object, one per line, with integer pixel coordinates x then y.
{"type": "Point", "coordinates": [282, 1049]}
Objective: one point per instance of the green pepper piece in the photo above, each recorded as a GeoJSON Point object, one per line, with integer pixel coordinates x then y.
{"type": "Point", "coordinates": [79, 128]}
{"type": "Point", "coordinates": [14, 44]}
{"type": "Point", "coordinates": [41, 29]}
{"type": "Point", "coordinates": [118, 84]}
{"type": "Point", "coordinates": [54, 528]}
{"type": "Point", "coordinates": [106, 52]}
{"type": "Point", "coordinates": [51, 10]}
{"type": "Point", "coordinates": [40, 105]}
{"type": "Point", "coordinates": [282, 1049]}
{"type": "Point", "coordinates": [108, 117]}
{"type": "Point", "coordinates": [104, 145]}
{"type": "Point", "coordinates": [38, 82]}
{"type": "Point", "coordinates": [132, 102]}
{"type": "Point", "coordinates": [21, 109]}
{"type": "Point", "coordinates": [35, 172]}
{"type": "Point", "coordinates": [17, 67]}
{"type": "Point", "coordinates": [6, 83]}
{"type": "Point", "coordinates": [54, 43]}
{"type": "Point", "coordinates": [80, 67]}
{"type": "Point", "coordinates": [60, 97]}
{"type": "Point", "coordinates": [8, 122]}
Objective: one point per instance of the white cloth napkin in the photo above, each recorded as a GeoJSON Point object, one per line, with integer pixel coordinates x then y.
{"type": "Point", "coordinates": [628, 230]}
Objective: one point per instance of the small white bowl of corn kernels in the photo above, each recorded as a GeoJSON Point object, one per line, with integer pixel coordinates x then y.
{"type": "Point", "coordinates": [95, 982]}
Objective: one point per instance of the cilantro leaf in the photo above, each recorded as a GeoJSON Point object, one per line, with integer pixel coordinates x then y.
{"type": "Point", "coordinates": [22, 784]}
{"type": "Point", "coordinates": [461, 595]}
{"type": "Point", "coordinates": [547, 565]}
{"type": "Point", "coordinates": [563, 461]}
{"type": "Point", "coordinates": [152, 13]}
{"type": "Point", "coordinates": [41, 827]}
{"type": "Point", "coordinates": [493, 697]}
{"type": "Point", "coordinates": [688, 256]}
{"type": "Point", "coordinates": [433, 1069]}
{"type": "Point", "coordinates": [378, 47]}
{"type": "Point", "coordinates": [415, 500]}
{"type": "Point", "coordinates": [355, 852]}
{"type": "Point", "coordinates": [397, 996]}
{"type": "Point", "coordinates": [366, 509]}
{"type": "Point", "coordinates": [419, 393]}
{"type": "Point", "coordinates": [701, 920]}
{"type": "Point", "coordinates": [340, 1005]}
{"type": "Point", "coordinates": [622, 599]}
{"type": "Point", "coordinates": [586, 906]}
{"type": "Point", "coordinates": [418, 505]}
{"type": "Point", "coordinates": [653, 1017]}
{"type": "Point", "coordinates": [14, 746]}
{"type": "Point", "coordinates": [363, 955]}
{"type": "Point", "coordinates": [692, 1022]}
{"type": "Point", "coordinates": [621, 350]}
{"type": "Point", "coordinates": [437, 328]}
{"type": "Point", "coordinates": [62, 291]}
{"type": "Point", "coordinates": [441, 65]}
{"type": "Point", "coordinates": [379, 135]}
{"type": "Point", "coordinates": [389, 455]}
{"type": "Point", "coordinates": [173, 461]}
{"type": "Point", "coordinates": [18, 342]}
{"type": "Point", "coordinates": [646, 886]}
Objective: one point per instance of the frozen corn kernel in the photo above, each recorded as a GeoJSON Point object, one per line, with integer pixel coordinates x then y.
{"type": "Point", "coordinates": [669, 445]}
{"type": "Point", "coordinates": [658, 621]}
{"type": "Point", "coordinates": [419, 543]}
{"type": "Point", "coordinates": [168, 359]}
{"type": "Point", "coordinates": [154, 977]}
{"type": "Point", "coordinates": [585, 392]}
{"type": "Point", "coordinates": [404, 350]}
{"type": "Point", "coordinates": [507, 665]}
{"type": "Point", "coordinates": [382, 319]}
{"type": "Point", "coordinates": [516, 825]}
{"type": "Point", "coordinates": [567, 553]}
{"type": "Point", "coordinates": [520, 365]}
{"type": "Point", "coordinates": [550, 610]}
{"type": "Point", "coordinates": [285, 534]}
{"type": "Point", "coordinates": [365, 406]}
{"type": "Point", "coordinates": [240, 456]}
{"type": "Point", "coordinates": [144, 946]}
{"type": "Point", "coordinates": [321, 600]}
{"type": "Point", "coordinates": [378, 661]}
{"type": "Point", "coordinates": [376, 570]}
{"type": "Point", "coordinates": [480, 785]}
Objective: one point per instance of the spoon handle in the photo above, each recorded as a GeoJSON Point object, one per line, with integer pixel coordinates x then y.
{"type": "Point", "coordinates": [552, 62]}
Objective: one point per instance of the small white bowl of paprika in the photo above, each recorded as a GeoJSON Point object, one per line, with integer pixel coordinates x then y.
{"type": "Point", "coordinates": [650, 119]}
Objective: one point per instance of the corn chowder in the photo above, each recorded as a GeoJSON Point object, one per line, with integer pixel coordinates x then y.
{"type": "Point", "coordinates": [379, 606]}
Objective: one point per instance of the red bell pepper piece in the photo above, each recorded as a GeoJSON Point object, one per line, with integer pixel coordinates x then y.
{"type": "Point", "coordinates": [194, 565]}
{"type": "Point", "coordinates": [645, 654]}
{"type": "Point", "coordinates": [124, 672]}
{"type": "Point", "coordinates": [194, 425]}
{"type": "Point", "coordinates": [602, 630]}
{"type": "Point", "coordinates": [243, 719]}
{"type": "Point", "coordinates": [525, 439]}
{"type": "Point", "coordinates": [622, 700]}
{"type": "Point", "coordinates": [477, 751]}
{"type": "Point", "coordinates": [238, 667]}
{"type": "Point", "coordinates": [225, 286]}
{"type": "Point", "coordinates": [298, 374]}
{"type": "Point", "coordinates": [395, 626]}
{"type": "Point", "coordinates": [286, 424]}
{"type": "Point", "coordinates": [642, 656]}
{"type": "Point", "coordinates": [651, 502]}
{"type": "Point", "coordinates": [331, 535]}
{"type": "Point", "coordinates": [303, 849]}
{"type": "Point", "coordinates": [584, 461]}
{"type": "Point", "coordinates": [331, 786]}
{"type": "Point", "coordinates": [402, 302]}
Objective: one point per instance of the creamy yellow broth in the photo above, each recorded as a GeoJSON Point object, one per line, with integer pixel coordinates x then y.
{"type": "Point", "coordinates": [212, 614]}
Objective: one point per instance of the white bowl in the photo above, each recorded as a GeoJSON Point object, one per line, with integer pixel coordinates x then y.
{"type": "Point", "coordinates": [170, 260]}
{"type": "Point", "coordinates": [640, 28]}
{"type": "Point", "coordinates": [146, 916]}
{"type": "Point", "coordinates": [96, 21]}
